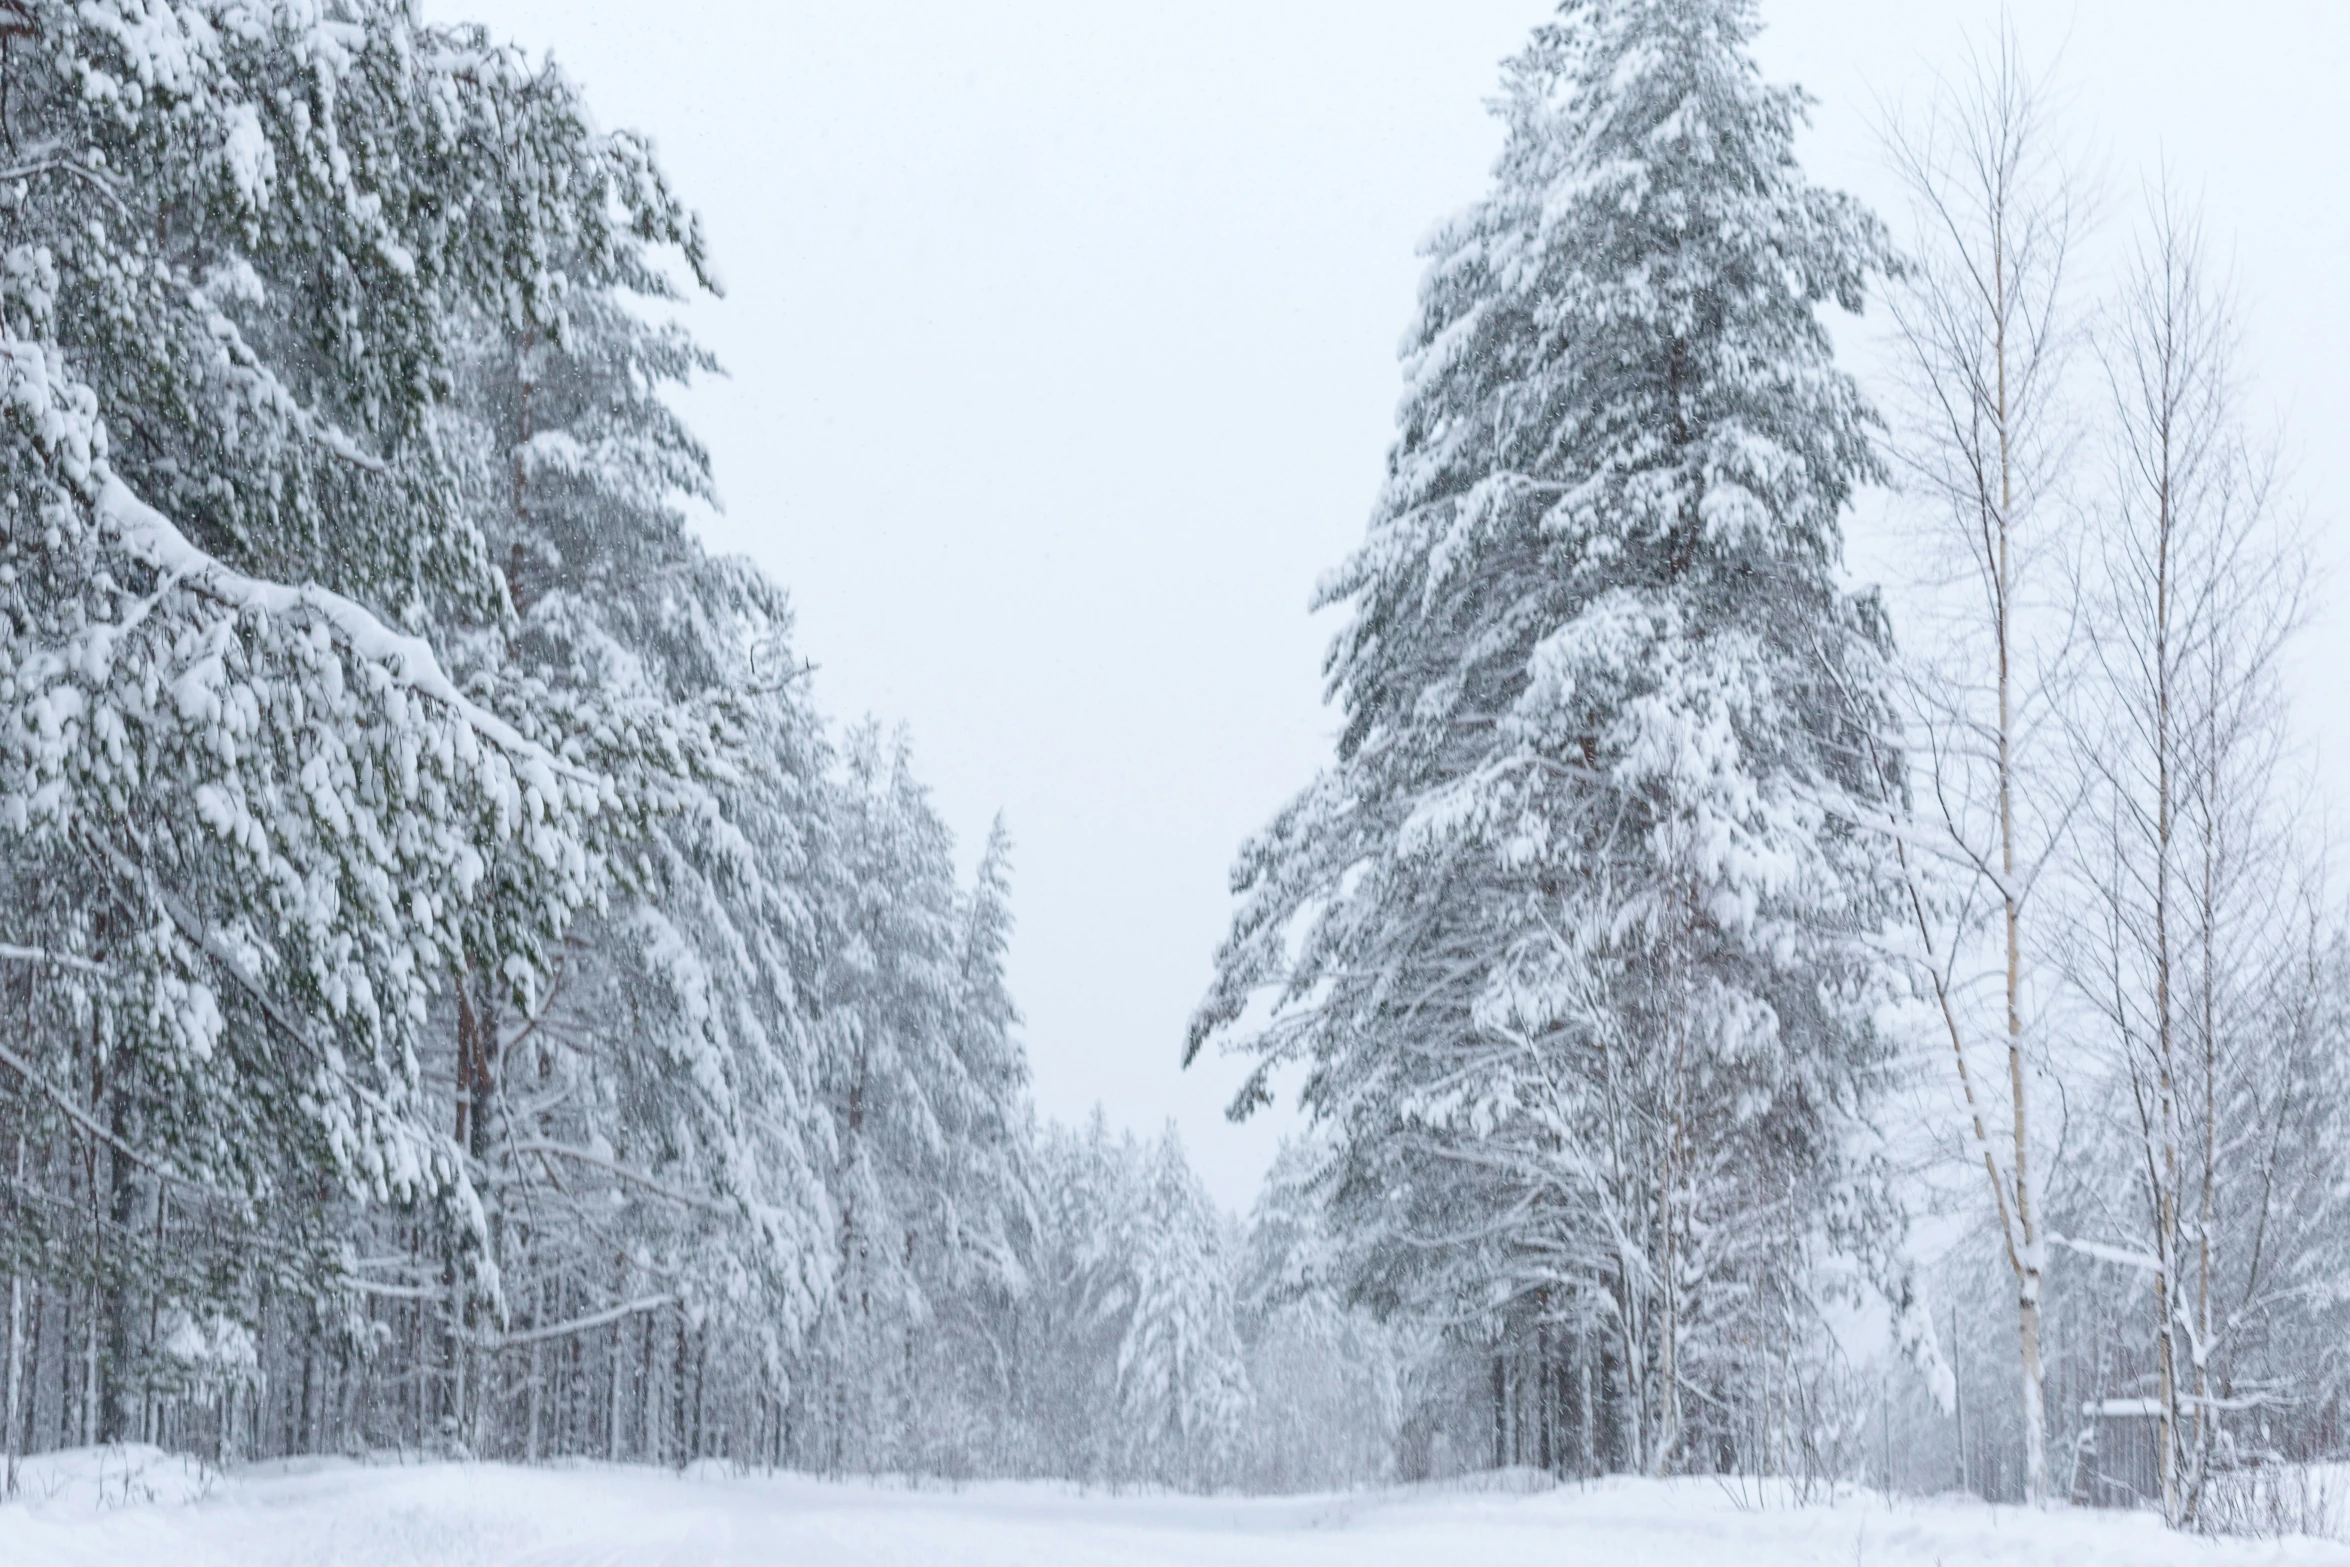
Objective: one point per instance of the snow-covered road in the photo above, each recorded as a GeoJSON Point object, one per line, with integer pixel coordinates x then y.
{"type": "Point", "coordinates": [343, 1515]}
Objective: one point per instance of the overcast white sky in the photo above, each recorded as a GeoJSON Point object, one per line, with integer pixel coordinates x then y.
{"type": "Point", "coordinates": [1062, 337]}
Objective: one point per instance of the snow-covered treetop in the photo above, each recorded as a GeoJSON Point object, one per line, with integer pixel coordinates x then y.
{"type": "Point", "coordinates": [1618, 371]}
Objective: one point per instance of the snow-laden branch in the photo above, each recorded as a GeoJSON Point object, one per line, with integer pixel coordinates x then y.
{"type": "Point", "coordinates": [247, 362]}
{"type": "Point", "coordinates": [582, 1324]}
{"type": "Point", "coordinates": [152, 537]}
{"type": "Point", "coordinates": [2121, 1256]}
{"type": "Point", "coordinates": [2151, 1408]}
{"type": "Point", "coordinates": [2123, 1409]}
{"type": "Point", "coordinates": [15, 954]}
{"type": "Point", "coordinates": [206, 940]}
{"type": "Point", "coordinates": [49, 161]}
{"type": "Point", "coordinates": [545, 1149]}
{"type": "Point", "coordinates": [87, 1122]}
{"type": "Point", "coordinates": [377, 1291]}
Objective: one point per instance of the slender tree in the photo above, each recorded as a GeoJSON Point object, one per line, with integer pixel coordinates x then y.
{"type": "Point", "coordinates": [2194, 590]}
{"type": "Point", "coordinates": [1982, 322]}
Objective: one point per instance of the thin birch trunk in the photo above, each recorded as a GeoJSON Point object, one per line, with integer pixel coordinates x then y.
{"type": "Point", "coordinates": [2207, 1210]}
{"type": "Point", "coordinates": [2027, 1253]}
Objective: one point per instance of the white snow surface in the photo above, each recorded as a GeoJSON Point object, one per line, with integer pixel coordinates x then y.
{"type": "Point", "coordinates": [75, 1511]}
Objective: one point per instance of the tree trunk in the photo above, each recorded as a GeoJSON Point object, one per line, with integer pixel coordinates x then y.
{"type": "Point", "coordinates": [1542, 1383]}
{"type": "Point", "coordinates": [648, 1395]}
{"type": "Point", "coordinates": [2208, 1208]}
{"type": "Point", "coordinates": [15, 1393]}
{"type": "Point", "coordinates": [1980, 324]}
{"type": "Point", "coordinates": [530, 1443]}
{"type": "Point", "coordinates": [122, 1206]}
{"type": "Point", "coordinates": [92, 1391]}
{"type": "Point", "coordinates": [1668, 1394]}
{"type": "Point", "coordinates": [612, 1414]}
{"type": "Point", "coordinates": [679, 1426]}
{"type": "Point", "coordinates": [1590, 1433]}
{"type": "Point", "coordinates": [1501, 1449]}
{"type": "Point", "coordinates": [1966, 1483]}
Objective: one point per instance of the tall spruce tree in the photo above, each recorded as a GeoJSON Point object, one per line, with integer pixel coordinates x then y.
{"type": "Point", "coordinates": [1572, 941]}
{"type": "Point", "coordinates": [1137, 1370]}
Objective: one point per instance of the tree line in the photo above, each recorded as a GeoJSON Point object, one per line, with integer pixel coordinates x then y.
{"type": "Point", "coordinates": [462, 997]}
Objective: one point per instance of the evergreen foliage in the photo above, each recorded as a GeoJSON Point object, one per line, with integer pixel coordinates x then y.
{"type": "Point", "coordinates": [1574, 939]}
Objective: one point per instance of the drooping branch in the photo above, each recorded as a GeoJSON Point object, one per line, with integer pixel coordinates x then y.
{"type": "Point", "coordinates": [153, 538]}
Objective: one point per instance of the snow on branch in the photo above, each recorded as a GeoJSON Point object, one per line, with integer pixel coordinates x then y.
{"type": "Point", "coordinates": [87, 1122]}
{"type": "Point", "coordinates": [154, 538]}
{"type": "Point", "coordinates": [2123, 1409]}
{"type": "Point", "coordinates": [545, 1149]}
{"type": "Point", "coordinates": [2121, 1256]}
{"type": "Point", "coordinates": [14, 954]}
{"type": "Point", "coordinates": [584, 1324]}
{"type": "Point", "coordinates": [49, 160]}
{"type": "Point", "coordinates": [206, 940]}
{"type": "Point", "coordinates": [265, 383]}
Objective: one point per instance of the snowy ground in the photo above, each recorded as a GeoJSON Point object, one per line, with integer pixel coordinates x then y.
{"type": "Point", "coordinates": [141, 1508]}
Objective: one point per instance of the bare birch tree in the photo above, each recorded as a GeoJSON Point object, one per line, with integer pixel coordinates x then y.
{"type": "Point", "coordinates": [1983, 328]}
{"type": "Point", "coordinates": [2192, 600]}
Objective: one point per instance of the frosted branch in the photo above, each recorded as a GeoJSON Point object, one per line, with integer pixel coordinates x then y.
{"type": "Point", "coordinates": [2120, 1256]}
{"type": "Point", "coordinates": [87, 1122]}
{"type": "Point", "coordinates": [584, 1324]}
{"type": "Point", "coordinates": [147, 534]}
{"type": "Point", "coordinates": [622, 1171]}
{"type": "Point", "coordinates": [15, 954]}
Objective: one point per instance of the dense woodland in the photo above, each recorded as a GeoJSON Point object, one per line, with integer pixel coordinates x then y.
{"type": "Point", "coordinates": [465, 999]}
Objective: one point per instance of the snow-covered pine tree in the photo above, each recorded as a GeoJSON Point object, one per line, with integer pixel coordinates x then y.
{"type": "Point", "coordinates": [658, 1106]}
{"type": "Point", "coordinates": [1182, 1392]}
{"type": "Point", "coordinates": [1063, 1403]}
{"type": "Point", "coordinates": [1572, 942]}
{"type": "Point", "coordinates": [979, 1230]}
{"type": "Point", "coordinates": [925, 1084]}
{"type": "Point", "coordinates": [1136, 1368]}
{"type": "Point", "coordinates": [239, 240]}
{"type": "Point", "coordinates": [442, 931]}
